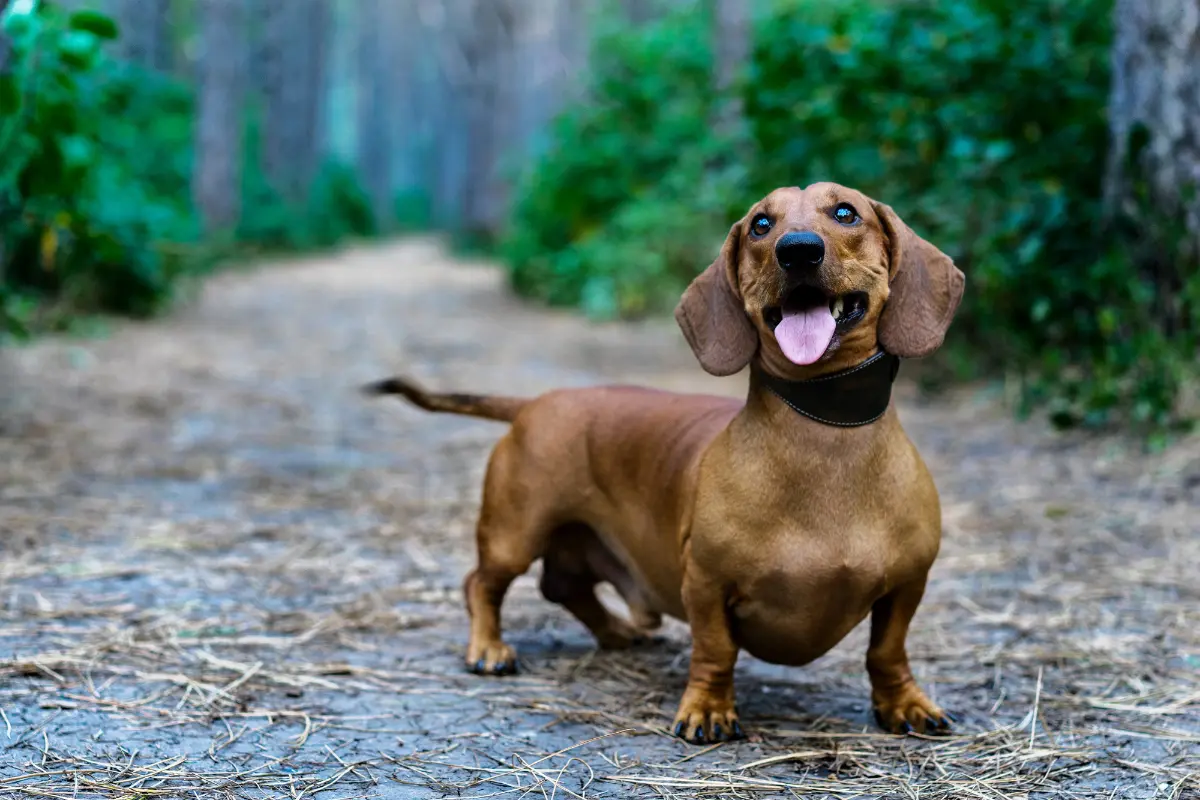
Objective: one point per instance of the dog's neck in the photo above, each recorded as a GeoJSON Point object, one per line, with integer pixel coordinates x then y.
{"type": "Point", "coordinates": [849, 398]}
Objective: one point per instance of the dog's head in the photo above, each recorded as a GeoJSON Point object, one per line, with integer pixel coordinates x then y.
{"type": "Point", "coordinates": [816, 279]}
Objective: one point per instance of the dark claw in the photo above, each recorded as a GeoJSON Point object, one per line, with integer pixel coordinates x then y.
{"type": "Point", "coordinates": [501, 668]}
{"type": "Point", "coordinates": [737, 730]}
{"type": "Point", "coordinates": [679, 730]}
{"type": "Point", "coordinates": [717, 737]}
{"type": "Point", "coordinates": [638, 641]}
{"type": "Point", "coordinates": [698, 736]}
{"type": "Point", "coordinates": [950, 718]}
{"type": "Point", "coordinates": [945, 721]}
{"type": "Point", "coordinates": [879, 718]}
{"type": "Point", "coordinates": [479, 667]}
{"type": "Point", "coordinates": [906, 728]}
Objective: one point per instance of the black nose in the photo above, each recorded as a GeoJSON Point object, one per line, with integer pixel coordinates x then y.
{"type": "Point", "coordinates": [800, 250]}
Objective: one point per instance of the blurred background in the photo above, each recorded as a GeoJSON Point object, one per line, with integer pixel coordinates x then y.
{"type": "Point", "coordinates": [600, 148]}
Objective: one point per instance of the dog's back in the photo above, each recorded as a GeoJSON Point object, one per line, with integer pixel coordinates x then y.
{"type": "Point", "coordinates": [619, 460]}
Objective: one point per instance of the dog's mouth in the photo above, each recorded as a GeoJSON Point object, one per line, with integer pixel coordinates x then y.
{"type": "Point", "coordinates": [809, 318]}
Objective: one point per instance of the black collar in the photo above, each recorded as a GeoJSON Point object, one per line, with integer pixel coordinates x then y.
{"type": "Point", "coordinates": [855, 396]}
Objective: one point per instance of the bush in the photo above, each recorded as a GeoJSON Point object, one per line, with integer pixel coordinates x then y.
{"type": "Point", "coordinates": [584, 217]}
{"type": "Point", "coordinates": [982, 123]}
{"type": "Point", "coordinates": [337, 208]}
{"type": "Point", "coordinates": [95, 207]}
{"type": "Point", "coordinates": [83, 190]}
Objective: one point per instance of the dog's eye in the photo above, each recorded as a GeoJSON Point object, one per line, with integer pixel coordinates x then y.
{"type": "Point", "coordinates": [761, 225]}
{"type": "Point", "coordinates": [845, 214]}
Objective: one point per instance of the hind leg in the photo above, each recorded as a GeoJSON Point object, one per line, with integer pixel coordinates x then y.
{"type": "Point", "coordinates": [644, 618]}
{"type": "Point", "coordinates": [641, 613]}
{"type": "Point", "coordinates": [607, 567]}
{"type": "Point", "coordinates": [487, 653]}
{"type": "Point", "coordinates": [510, 537]}
{"type": "Point", "coordinates": [571, 567]}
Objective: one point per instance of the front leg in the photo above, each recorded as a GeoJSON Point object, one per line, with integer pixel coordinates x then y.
{"type": "Point", "coordinates": [900, 705]}
{"type": "Point", "coordinates": [707, 712]}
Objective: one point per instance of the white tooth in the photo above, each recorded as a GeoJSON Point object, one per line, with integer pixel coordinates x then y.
{"type": "Point", "coordinates": [837, 308]}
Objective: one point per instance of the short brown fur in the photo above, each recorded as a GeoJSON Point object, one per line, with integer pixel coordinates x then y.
{"type": "Point", "coordinates": [764, 530]}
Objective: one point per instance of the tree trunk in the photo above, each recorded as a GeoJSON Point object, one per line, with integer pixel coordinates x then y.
{"type": "Point", "coordinates": [5, 44]}
{"type": "Point", "coordinates": [271, 75]}
{"type": "Point", "coordinates": [405, 71]}
{"type": "Point", "coordinates": [506, 139]}
{"type": "Point", "coordinates": [731, 51]}
{"type": "Point", "coordinates": [479, 109]}
{"type": "Point", "coordinates": [373, 151]}
{"type": "Point", "coordinates": [145, 33]}
{"type": "Point", "coordinates": [291, 74]}
{"type": "Point", "coordinates": [638, 12]}
{"type": "Point", "coordinates": [479, 91]}
{"type": "Point", "coordinates": [340, 118]}
{"type": "Point", "coordinates": [537, 66]}
{"type": "Point", "coordinates": [420, 117]}
{"type": "Point", "coordinates": [571, 23]}
{"type": "Point", "coordinates": [446, 23]}
{"type": "Point", "coordinates": [5, 53]}
{"type": "Point", "coordinates": [216, 180]}
{"type": "Point", "coordinates": [486, 50]}
{"type": "Point", "coordinates": [1155, 112]}
{"type": "Point", "coordinates": [317, 40]}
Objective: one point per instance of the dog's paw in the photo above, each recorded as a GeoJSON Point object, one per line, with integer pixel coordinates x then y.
{"type": "Point", "coordinates": [493, 658]}
{"type": "Point", "coordinates": [645, 619]}
{"type": "Point", "coordinates": [908, 710]}
{"type": "Point", "coordinates": [703, 718]}
{"type": "Point", "coordinates": [621, 635]}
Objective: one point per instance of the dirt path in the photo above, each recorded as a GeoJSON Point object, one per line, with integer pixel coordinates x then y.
{"type": "Point", "coordinates": [226, 575]}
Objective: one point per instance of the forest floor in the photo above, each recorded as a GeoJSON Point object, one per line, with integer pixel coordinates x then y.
{"type": "Point", "coordinates": [223, 573]}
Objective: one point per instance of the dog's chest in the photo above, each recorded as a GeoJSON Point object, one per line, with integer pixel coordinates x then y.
{"type": "Point", "coordinates": [801, 592]}
{"type": "Point", "coordinates": [809, 542]}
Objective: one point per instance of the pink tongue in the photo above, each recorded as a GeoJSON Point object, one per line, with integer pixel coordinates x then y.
{"type": "Point", "coordinates": [804, 335]}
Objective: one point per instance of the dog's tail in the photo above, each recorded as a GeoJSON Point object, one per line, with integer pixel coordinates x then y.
{"type": "Point", "coordinates": [502, 409]}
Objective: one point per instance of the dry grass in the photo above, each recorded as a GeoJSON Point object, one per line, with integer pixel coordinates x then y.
{"type": "Point", "coordinates": [225, 576]}
{"type": "Point", "coordinates": [227, 682]}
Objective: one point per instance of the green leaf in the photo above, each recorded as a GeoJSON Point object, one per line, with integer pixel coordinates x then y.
{"type": "Point", "coordinates": [998, 150]}
{"type": "Point", "coordinates": [77, 151]}
{"type": "Point", "coordinates": [78, 48]}
{"type": "Point", "coordinates": [10, 96]}
{"type": "Point", "coordinates": [1107, 320]}
{"type": "Point", "coordinates": [95, 23]}
{"type": "Point", "coordinates": [18, 22]}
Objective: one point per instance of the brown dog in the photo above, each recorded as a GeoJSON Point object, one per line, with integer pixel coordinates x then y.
{"type": "Point", "coordinates": [774, 525]}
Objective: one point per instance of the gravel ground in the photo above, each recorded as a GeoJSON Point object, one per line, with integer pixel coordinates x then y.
{"type": "Point", "coordinates": [225, 574]}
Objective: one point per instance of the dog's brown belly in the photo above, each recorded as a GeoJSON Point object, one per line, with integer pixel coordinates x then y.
{"type": "Point", "coordinates": [793, 615]}
{"type": "Point", "coordinates": [793, 636]}
{"type": "Point", "coordinates": [653, 580]}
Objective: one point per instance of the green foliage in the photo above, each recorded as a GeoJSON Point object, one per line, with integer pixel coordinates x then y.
{"type": "Point", "coordinates": [982, 123]}
{"type": "Point", "coordinates": [336, 206]}
{"type": "Point", "coordinates": [84, 190]}
{"type": "Point", "coordinates": [601, 189]}
{"type": "Point", "coordinates": [95, 206]}
{"type": "Point", "coordinates": [413, 210]}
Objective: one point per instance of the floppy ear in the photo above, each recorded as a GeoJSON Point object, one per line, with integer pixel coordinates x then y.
{"type": "Point", "coordinates": [713, 317]}
{"type": "Point", "coordinates": [926, 289]}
